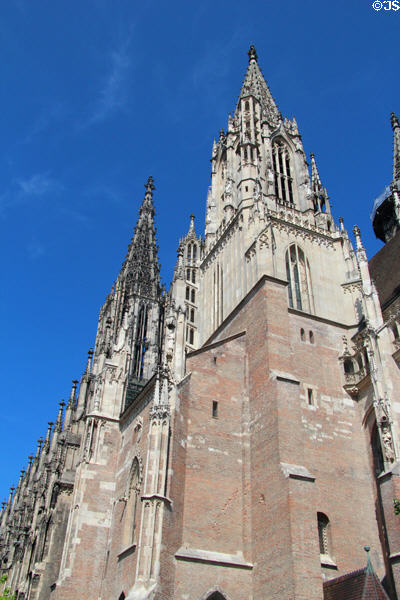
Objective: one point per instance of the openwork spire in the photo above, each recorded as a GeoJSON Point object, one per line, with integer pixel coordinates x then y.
{"type": "Point", "coordinates": [396, 146]}
{"type": "Point", "coordinates": [140, 269]}
{"type": "Point", "coordinates": [317, 186]}
{"type": "Point", "coordinates": [255, 85]}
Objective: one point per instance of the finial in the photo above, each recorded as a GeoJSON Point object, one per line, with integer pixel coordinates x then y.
{"type": "Point", "coordinates": [73, 392]}
{"type": "Point", "coordinates": [221, 134]}
{"type": "Point", "coordinates": [357, 234]}
{"type": "Point", "coordinates": [150, 185]}
{"type": "Point", "coordinates": [394, 119]}
{"type": "Point", "coordinates": [252, 54]}
{"type": "Point", "coordinates": [369, 567]}
{"type": "Point", "coordinates": [341, 221]}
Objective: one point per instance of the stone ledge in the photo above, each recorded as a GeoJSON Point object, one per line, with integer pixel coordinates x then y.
{"type": "Point", "coordinates": [157, 497]}
{"type": "Point", "coordinates": [395, 557]}
{"type": "Point", "coordinates": [297, 472]}
{"type": "Point", "coordinates": [284, 377]}
{"type": "Point", "coordinates": [327, 561]}
{"type": "Point", "coordinates": [216, 558]}
{"type": "Point", "coordinates": [126, 551]}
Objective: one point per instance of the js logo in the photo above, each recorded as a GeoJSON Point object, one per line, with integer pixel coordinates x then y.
{"type": "Point", "coordinates": [386, 5]}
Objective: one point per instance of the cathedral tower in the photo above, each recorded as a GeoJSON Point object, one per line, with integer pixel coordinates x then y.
{"type": "Point", "coordinates": [237, 437]}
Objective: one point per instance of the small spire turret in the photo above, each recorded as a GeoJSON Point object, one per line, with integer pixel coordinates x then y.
{"type": "Point", "coordinates": [394, 119]}
{"type": "Point", "coordinates": [59, 420]}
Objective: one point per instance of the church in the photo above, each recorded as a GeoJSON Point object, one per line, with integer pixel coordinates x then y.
{"type": "Point", "coordinates": [236, 437]}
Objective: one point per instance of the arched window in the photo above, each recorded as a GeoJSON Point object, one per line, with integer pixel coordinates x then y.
{"type": "Point", "coordinates": [299, 279]}
{"type": "Point", "coordinates": [131, 504]}
{"type": "Point", "coordinates": [189, 251]}
{"type": "Point", "coordinates": [191, 336]}
{"type": "Point", "coordinates": [188, 274]}
{"type": "Point", "coordinates": [194, 251]}
{"type": "Point", "coordinates": [348, 366]}
{"type": "Point", "coordinates": [283, 171]}
{"type": "Point", "coordinates": [192, 315]}
{"type": "Point", "coordinates": [324, 534]}
{"type": "Point", "coordinates": [246, 105]}
{"type": "Point", "coordinates": [302, 335]}
{"type": "Point", "coordinates": [187, 293]}
{"type": "Point", "coordinates": [216, 596]}
{"type": "Point", "coordinates": [377, 454]}
{"type": "Point", "coordinates": [193, 296]}
{"type": "Point", "coordinates": [311, 337]}
{"type": "Point", "coordinates": [193, 276]}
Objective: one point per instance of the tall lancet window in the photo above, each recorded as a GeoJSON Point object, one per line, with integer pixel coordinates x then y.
{"type": "Point", "coordinates": [299, 279]}
{"type": "Point", "coordinates": [283, 171]}
{"type": "Point", "coordinates": [140, 343]}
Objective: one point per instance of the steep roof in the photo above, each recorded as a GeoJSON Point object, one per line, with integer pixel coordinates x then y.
{"type": "Point", "coordinates": [384, 269]}
{"type": "Point", "coordinates": [363, 584]}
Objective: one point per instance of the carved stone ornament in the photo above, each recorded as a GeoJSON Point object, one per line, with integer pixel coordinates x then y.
{"type": "Point", "coordinates": [160, 411]}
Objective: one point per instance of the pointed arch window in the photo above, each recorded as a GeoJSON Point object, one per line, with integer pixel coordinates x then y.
{"type": "Point", "coordinates": [140, 343]}
{"type": "Point", "coordinates": [193, 296]}
{"type": "Point", "coordinates": [283, 171]}
{"type": "Point", "coordinates": [299, 279]}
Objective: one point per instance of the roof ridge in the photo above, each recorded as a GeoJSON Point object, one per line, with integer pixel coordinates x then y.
{"type": "Point", "coordinates": [343, 577]}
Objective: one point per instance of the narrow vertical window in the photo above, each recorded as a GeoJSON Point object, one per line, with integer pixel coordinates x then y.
{"type": "Point", "coordinates": [187, 293]}
{"type": "Point", "coordinates": [311, 337]}
{"type": "Point", "coordinates": [282, 171]}
{"type": "Point", "coordinates": [324, 534]}
{"type": "Point", "coordinates": [193, 276]}
{"type": "Point", "coordinates": [140, 343]}
{"type": "Point", "coordinates": [215, 409]}
{"type": "Point", "coordinates": [302, 335]}
{"type": "Point", "coordinates": [188, 274]}
{"type": "Point", "coordinates": [191, 336]}
{"type": "Point", "coordinates": [194, 251]}
{"type": "Point", "coordinates": [193, 296]}
{"type": "Point", "coordinates": [310, 397]}
{"type": "Point", "coordinates": [131, 506]}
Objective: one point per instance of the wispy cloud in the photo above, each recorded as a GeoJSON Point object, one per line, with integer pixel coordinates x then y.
{"type": "Point", "coordinates": [113, 93]}
{"type": "Point", "coordinates": [22, 189]}
{"type": "Point", "coordinates": [39, 184]}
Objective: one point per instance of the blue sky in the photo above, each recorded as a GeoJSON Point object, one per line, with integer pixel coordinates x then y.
{"type": "Point", "coordinates": [98, 95]}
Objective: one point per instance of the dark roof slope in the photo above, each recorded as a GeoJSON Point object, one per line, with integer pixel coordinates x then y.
{"type": "Point", "coordinates": [385, 270]}
{"type": "Point", "coordinates": [358, 585]}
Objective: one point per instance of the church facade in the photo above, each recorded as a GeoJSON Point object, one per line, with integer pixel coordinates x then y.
{"type": "Point", "coordinates": [238, 436]}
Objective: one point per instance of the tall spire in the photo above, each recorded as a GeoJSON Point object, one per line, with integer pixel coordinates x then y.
{"type": "Point", "coordinates": [396, 146]}
{"type": "Point", "coordinates": [255, 85]}
{"type": "Point", "coordinates": [140, 269]}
